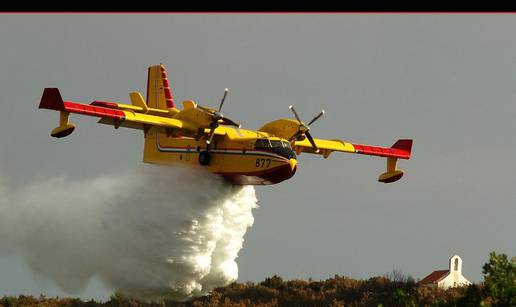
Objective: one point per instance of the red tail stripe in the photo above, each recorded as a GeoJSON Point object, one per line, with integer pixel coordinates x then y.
{"type": "Point", "coordinates": [166, 88]}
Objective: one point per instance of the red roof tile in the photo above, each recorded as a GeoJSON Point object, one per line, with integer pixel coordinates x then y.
{"type": "Point", "coordinates": [433, 277]}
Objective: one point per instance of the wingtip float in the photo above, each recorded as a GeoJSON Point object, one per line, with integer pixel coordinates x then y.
{"type": "Point", "coordinates": [203, 137]}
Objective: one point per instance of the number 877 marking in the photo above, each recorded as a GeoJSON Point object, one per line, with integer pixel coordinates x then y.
{"type": "Point", "coordinates": [262, 162]}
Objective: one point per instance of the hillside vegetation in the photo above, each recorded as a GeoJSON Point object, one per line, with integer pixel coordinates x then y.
{"type": "Point", "coordinates": [395, 289]}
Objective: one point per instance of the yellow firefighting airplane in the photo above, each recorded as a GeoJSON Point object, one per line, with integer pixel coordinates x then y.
{"type": "Point", "coordinates": [202, 136]}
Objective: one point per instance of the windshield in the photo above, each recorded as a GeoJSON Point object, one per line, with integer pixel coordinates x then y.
{"type": "Point", "coordinates": [266, 143]}
{"type": "Point", "coordinates": [279, 147]}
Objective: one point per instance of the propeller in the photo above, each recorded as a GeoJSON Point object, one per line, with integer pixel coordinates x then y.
{"type": "Point", "coordinates": [223, 98]}
{"type": "Point", "coordinates": [304, 130]}
{"type": "Point", "coordinates": [217, 116]}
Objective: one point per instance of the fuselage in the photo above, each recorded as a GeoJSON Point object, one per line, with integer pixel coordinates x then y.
{"type": "Point", "coordinates": [253, 159]}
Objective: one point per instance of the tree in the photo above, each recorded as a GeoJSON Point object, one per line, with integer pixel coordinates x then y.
{"type": "Point", "coordinates": [403, 298]}
{"type": "Point", "coordinates": [500, 279]}
{"type": "Point", "coordinates": [398, 276]}
{"type": "Point", "coordinates": [274, 282]}
{"type": "Point", "coordinates": [472, 296]}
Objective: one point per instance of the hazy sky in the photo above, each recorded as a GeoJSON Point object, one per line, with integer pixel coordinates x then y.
{"type": "Point", "coordinates": [447, 81]}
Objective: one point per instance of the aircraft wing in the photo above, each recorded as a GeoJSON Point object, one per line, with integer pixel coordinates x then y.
{"type": "Point", "coordinates": [401, 149]}
{"type": "Point", "coordinates": [109, 114]}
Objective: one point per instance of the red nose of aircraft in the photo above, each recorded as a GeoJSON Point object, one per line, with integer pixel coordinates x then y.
{"type": "Point", "coordinates": [281, 173]}
{"type": "Point", "coordinates": [272, 176]}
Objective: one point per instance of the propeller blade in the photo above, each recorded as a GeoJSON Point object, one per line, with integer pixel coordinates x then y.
{"type": "Point", "coordinates": [227, 121]}
{"type": "Point", "coordinates": [295, 114]}
{"type": "Point", "coordinates": [316, 118]}
{"type": "Point", "coordinates": [210, 138]}
{"type": "Point", "coordinates": [223, 98]}
{"type": "Point", "coordinates": [213, 126]}
{"type": "Point", "coordinates": [309, 136]}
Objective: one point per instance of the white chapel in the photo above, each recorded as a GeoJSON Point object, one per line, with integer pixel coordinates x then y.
{"type": "Point", "coordinates": [446, 278]}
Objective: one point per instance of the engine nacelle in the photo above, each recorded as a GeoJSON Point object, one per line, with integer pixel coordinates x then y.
{"type": "Point", "coordinates": [284, 128]}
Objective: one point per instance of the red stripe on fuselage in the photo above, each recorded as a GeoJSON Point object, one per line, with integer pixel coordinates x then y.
{"type": "Point", "coordinates": [221, 150]}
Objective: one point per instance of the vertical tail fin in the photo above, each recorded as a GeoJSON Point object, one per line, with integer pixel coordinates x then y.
{"type": "Point", "coordinates": [404, 144]}
{"type": "Point", "coordinates": [159, 94]}
{"type": "Point", "coordinates": [52, 100]}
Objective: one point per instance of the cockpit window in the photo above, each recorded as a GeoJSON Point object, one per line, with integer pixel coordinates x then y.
{"type": "Point", "coordinates": [262, 143]}
{"type": "Point", "coordinates": [266, 143]}
{"type": "Point", "coordinates": [279, 147]}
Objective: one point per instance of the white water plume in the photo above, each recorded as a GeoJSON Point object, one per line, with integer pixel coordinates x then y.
{"type": "Point", "coordinates": [156, 232]}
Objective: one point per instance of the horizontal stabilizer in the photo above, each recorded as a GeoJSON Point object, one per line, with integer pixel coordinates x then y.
{"type": "Point", "coordinates": [137, 101]}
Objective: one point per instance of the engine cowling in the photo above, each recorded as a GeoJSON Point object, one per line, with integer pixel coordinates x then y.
{"type": "Point", "coordinates": [283, 128]}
